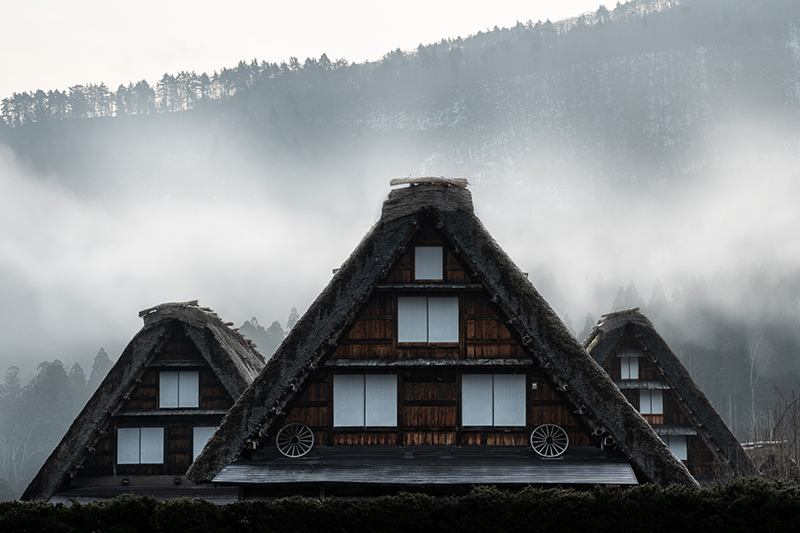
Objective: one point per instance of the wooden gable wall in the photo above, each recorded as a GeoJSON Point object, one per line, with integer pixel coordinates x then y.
{"type": "Point", "coordinates": [700, 460]}
{"type": "Point", "coordinates": [140, 409]}
{"type": "Point", "coordinates": [429, 375]}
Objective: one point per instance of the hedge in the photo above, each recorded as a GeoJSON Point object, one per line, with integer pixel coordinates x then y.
{"type": "Point", "coordinates": [745, 505]}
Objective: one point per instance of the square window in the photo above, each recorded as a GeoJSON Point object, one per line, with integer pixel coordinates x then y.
{"type": "Point", "coordinates": [651, 402]}
{"type": "Point", "coordinates": [140, 446]}
{"type": "Point", "coordinates": [427, 319]}
{"type": "Point", "coordinates": [493, 400]}
{"type": "Point", "coordinates": [179, 389]}
{"type": "Point", "coordinates": [365, 401]}
{"type": "Point", "coordinates": [429, 263]}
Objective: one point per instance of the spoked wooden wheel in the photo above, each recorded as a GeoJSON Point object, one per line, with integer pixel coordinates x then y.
{"type": "Point", "coordinates": [295, 440]}
{"type": "Point", "coordinates": [549, 440]}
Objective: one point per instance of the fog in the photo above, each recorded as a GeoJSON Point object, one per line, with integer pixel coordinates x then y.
{"type": "Point", "coordinates": [581, 241]}
{"type": "Point", "coordinates": [77, 268]}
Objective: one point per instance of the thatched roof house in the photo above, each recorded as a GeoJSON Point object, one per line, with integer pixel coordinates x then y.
{"type": "Point", "coordinates": [653, 379]}
{"type": "Point", "coordinates": [430, 344]}
{"type": "Point", "coordinates": [154, 410]}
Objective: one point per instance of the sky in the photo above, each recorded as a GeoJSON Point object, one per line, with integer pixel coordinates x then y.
{"type": "Point", "coordinates": [52, 44]}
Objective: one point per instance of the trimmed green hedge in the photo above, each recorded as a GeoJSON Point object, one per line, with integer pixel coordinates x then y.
{"type": "Point", "coordinates": [745, 505]}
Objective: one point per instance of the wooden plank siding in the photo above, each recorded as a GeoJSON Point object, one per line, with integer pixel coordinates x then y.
{"type": "Point", "coordinates": [141, 409]}
{"type": "Point", "coordinates": [429, 399]}
{"type": "Point", "coordinates": [700, 459]}
{"type": "Point", "coordinates": [429, 402]}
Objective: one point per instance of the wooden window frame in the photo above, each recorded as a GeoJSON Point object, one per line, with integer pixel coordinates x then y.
{"type": "Point", "coordinates": [415, 265]}
{"type": "Point", "coordinates": [139, 435]}
{"type": "Point", "coordinates": [428, 342]}
{"type": "Point", "coordinates": [625, 368]}
{"type": "Point", "coordinates": [674, 439]}
{"type": "Point", "coordinates": [494, 425]}
{"type": "Point", "coordinates": [650, 410]}
{"type": "Point", "coordinates": [365, 406]}
{"type": "Point", "coordinates": [180, 376]}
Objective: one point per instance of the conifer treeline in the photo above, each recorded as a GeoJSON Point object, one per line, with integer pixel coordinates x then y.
{"type": "Point", "coordinates": [34, 416]}
{"type": "Point", "coordinates": [524, 47]}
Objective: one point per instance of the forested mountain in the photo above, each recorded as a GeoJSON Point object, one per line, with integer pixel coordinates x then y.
{"type": "Point", "coordinates": [667, 106]}
{"type": "Point", "coordinates": [628, 93]}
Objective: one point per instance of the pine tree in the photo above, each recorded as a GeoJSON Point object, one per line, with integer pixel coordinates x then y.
{"type": "Point", "coordinates": [294, 316]}
{"type": "Point", "coordinates": [77, 384]}
{"type": "Point", "coordinates": [568, 323]}
{"type": "Point", "coordinates": [587, 327]}
{"type": "Point", "coordinates": [102, 364]}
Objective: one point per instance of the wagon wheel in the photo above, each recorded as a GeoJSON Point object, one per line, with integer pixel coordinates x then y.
{"type": "Point", "coordinates": [549, 440]}
{"type": "Point", "coordinates": [294, 440]}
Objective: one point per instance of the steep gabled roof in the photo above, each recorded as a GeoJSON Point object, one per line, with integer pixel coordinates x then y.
{"type": "Point", "coordinates": [709, 425]}
{"type": "Point", "coordinates": [446, 205]}
{"type": "Point", "coordinates": [233, 359]}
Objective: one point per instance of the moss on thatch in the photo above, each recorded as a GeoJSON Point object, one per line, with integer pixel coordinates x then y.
{"type": "Point", "coordinates": [233, 359]}
{"type": "Point", "coordinates": [449, 209]}
{"type": "Point", "coordinates": [729, 455]}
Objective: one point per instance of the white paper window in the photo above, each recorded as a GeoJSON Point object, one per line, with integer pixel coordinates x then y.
{"type": "Point", "coordinates": [629, 367]}
{"type": "Point", "coordinates": [428, 263]}
{"type": "Point", "coordinates": [412, 319]}
{"type": "Point", "coordinates": [168, 389]}
{"type": "Point", "coordinates": [477, 400]}
{"type": "Point", "coordinates": [380, 400]}
{"type": "Point", "coordinates": [509, 400]}
{"type": "Point", "coordinates": [348, 400]}
{"type": "Point", "coordinates": [128, 446]}
{"type": "Point", "coordinates": [493, 400]}
{"type": "Point", "coordinates": [200, 436]}
{"type": "Point", "coordinates": [179, 389]}
{"type": "Point", "coordinates": [423, 319]}
{"type": "Point", "coordinates": [443, 319]}
{"type": "Point", "coordinates": [651, 402]}
{"type": "Point", "coordinates": [152, 446]}
{"type": "Point", "coordinates": [189, 389]}
{"type": "Point", "coordinates": [364, 401]}
{"type": "Point", "coordinates": [678, 446]}
{"type": "Point", "coordinates": [140, 446]}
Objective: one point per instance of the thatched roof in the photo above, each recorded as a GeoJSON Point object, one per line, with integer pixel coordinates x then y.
{"type": "Point", "coordinates": [448, 207]}
{"type": "Point", "coordinates": [709, 425]}
{"type": "Point", "coordinates": [233, 359]}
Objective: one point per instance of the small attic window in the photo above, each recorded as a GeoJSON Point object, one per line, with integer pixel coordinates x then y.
{"type": "Point", "coordinates": [179, 389]}
{"type": "Point", "coordinates": [428, 263]}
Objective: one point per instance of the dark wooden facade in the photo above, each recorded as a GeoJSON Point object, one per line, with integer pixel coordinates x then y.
{"type": "Point", "coordinates": [141, 409]}
{"type": "Point", "coordinates": [674, 419]}
{"type": "Point", "coordinates": [429, 375]}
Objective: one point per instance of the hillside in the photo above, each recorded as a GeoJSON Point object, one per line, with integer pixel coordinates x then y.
{"type": "Point", "coordinates": [639, 93]}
